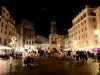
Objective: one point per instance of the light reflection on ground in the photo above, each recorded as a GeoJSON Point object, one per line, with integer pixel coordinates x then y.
{"type": "Point", "coordinates": [5, 67]}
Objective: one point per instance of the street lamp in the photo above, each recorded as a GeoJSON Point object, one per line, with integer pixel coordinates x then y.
{"type": "Point", "coordinates": [84, 43]}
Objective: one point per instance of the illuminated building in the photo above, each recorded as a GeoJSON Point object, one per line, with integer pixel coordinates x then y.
{"type": "Point", "coordinates": [61, 41]}
{"type": "Point", "coordinates": [82, 33]}
{"type": "Point", "coordinates": [26, 35]}
{"type": "Point", "coordinates": [97, 32]}
{"type": "Point", "coordinates": [7, 28]}
{"type": "Point", "coordinates": [66, 41]}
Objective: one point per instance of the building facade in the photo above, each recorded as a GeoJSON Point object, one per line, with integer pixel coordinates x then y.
{"type": "Point", "coordinates": [27, 35]}
{"type": "Point", "coordinates": [82, 33]}
{"type": "Point", "coordinates": [97, 31]}
{"type": "Point", "coordinates": [7, 29]}
{"type": "Point", "coordinates": [61, 41]}
{"type": "Point", "coordinates": [66, 41]}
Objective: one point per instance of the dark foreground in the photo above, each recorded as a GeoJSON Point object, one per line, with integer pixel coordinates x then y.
{"type": "Point", "coordinates": [50, 66]}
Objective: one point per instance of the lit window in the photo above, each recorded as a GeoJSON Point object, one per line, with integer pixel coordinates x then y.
{"type": "Point", "coordinates": [94, 26]}
{"type": "Point", "coordinates": [93, 19]}
{"type": "Point", "coordinates": [96, 42]}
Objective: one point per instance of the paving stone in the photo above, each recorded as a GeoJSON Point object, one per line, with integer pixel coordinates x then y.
{"type": "Point", "coordinates": [50, 66]}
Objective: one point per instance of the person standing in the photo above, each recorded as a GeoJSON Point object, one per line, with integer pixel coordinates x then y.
{"type": "Point", "coordinates": [73, 54]}
{"type": "Point", "coordinates": [77, 55]}
{"type": "Point", "coordinates": [11, 56]}
{"type": "Point", "coordinates": [95, 55]}
{"type": "Point", "coordinates": [17, 54]}
{"type": "Point", "coordinates": [25, 56]}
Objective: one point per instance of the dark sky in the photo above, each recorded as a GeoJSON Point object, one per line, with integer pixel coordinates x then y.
{"type": "Point", "coordinates": [40, 12]}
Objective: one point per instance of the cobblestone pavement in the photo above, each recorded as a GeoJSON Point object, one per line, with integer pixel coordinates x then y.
{"type": "Point", "coordinates": [50, 66]}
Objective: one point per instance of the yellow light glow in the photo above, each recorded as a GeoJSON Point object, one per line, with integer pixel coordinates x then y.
{"type": "Point", "coordinates": [97, 32]}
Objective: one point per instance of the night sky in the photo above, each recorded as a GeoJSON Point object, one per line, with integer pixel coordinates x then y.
{"type": "Point", "coordinates": [40, 12]}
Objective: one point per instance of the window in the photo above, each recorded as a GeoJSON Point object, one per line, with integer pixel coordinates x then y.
{"type": "Point", "coordinates": [23, 41]}
{"type": "Point", "coordinates": [6, 27]}
{"type": "Point", "coordinates": [76, 33]}
{"type": "Point", "coordinates": [78, 26]}
{"type": "Point", "coordinates": [81, 23]}
{"type": "Point", "coordinates": [5, 32]}
{"type": "Point", "coordinates": [26, 42]}
{"type": "Point", "coordinates": [30, 37]}
{"type": "Point", "coordinates": [93, 19]}
{"type": "Point", "coordinates": [93, 14]}
{"type": "Point", "coordinates": [96, 42]}
{"type": "Point", "coordinates": [7, 14]}
{"type": "Point", "coordinates": [72, 35]}
{"type": "Point", "coordinates": [5, 42]}
{"type": "Point", "coordinates": [32, 42]}
{"type": "Point", "coordinates": [1, 31]}
{"type": "Point", "coordinates": [85, 21]}
{"type": "Point", "coordinates": [9, 40]}
{"type": "Point", "coordinates": [85, 28]}
{"type": "Point", "coordinates": [29, 42]}
{"type": "Point", "coordinates": [94, 26]}
{"type": "Point", "coordinates": [79, 37]}
{"type": "Point", "coordinates": [9, 33]}
{"type": "Point", "coordinates": [2, 24]}
{"type": "Point", "coordinates": [82, 29]}
{"type": "Point", "coordinates": [86, 35]}
{"type": "Point", "coordinates": [3, 10]}
{"type": "Point", "coordinates": [84, 14]}
{"type": "Point", "coordinates": [78, 20]}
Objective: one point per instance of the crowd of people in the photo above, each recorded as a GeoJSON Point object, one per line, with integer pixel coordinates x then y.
{"type": "Point", "coordinates": [30, 56]}
{"type": "Point", "coordinates": [83, 55]}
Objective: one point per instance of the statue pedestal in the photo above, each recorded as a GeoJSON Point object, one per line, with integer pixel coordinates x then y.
{"type": "Point", "coordinates": [53, 40]}
{"type": "Point", "coordinates": [53, 46]}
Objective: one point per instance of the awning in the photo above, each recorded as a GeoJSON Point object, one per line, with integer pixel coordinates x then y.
{"type": "Point", "coordinates": [4, 47]}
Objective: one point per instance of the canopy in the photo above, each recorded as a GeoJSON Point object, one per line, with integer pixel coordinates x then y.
{"type": "Point", "coordinates": [4, 47]}
{"type": "Point", "coordinates": [96, 49]}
